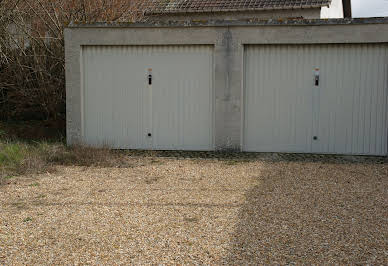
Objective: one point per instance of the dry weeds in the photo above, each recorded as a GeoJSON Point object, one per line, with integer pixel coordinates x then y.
{"type": "Point", "coordinates": [20, 158]}
{"type": "Point", "coordinates": [197, 211]}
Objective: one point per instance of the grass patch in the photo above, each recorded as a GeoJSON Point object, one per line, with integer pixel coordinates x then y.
{"type": "Point", "coordinates": [29, 157]}
{"type": "Point", "coordinates": [21, 158]}
{"type": "Point", "coordinates": [18, 158]}
{"type": "Point", "coordinates": [11, 154]}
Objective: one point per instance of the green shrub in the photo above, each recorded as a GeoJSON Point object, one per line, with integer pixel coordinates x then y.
{"type": "Point", "coordinates": [17, 158]}
{"type": "Point", "coordinates": [11, 155]}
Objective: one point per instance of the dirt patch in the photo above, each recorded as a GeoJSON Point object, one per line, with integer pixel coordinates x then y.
{"type": "Point", "coordinates": [170, 211]}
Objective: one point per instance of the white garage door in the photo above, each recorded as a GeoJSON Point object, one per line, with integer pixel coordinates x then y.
{"type": "Point", "coordinates": [148, 97]}
{"type": "Point", "coordinates": [345, 112]}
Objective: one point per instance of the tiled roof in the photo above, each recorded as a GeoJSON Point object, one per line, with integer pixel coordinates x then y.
{"type": "Point", "coordinates": [185, 6]}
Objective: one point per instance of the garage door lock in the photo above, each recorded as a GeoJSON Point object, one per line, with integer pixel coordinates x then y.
{"type": "Point", "coordinates": [315, 138]}
{"type": "Point", "coordinates": [149, 134]}
{"type": "Point", "coordinates": [316, 77]}
{"type": "Point", "coordinates": [149, 77]}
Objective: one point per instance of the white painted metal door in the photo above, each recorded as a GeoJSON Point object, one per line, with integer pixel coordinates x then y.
{"type": "Point", "coordinates": [344, 113]}
{"type": "Point", "coordinates": [124, 109]}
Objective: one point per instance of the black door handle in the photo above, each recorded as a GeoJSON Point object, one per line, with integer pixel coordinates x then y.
{"type": "Point", "coordinates": [149, 134]}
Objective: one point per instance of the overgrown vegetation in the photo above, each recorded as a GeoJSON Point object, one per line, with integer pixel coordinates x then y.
{"type": "Point", "coordinates": [19, 157]}
{"type": "Point", "coordinates": [32, 63]}
{"type": "Point", "coordinates": [32, 82]}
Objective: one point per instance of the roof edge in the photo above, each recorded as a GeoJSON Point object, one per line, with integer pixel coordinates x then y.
{"type": "Point", "coordinates": [231, 23]}
{"type": "Point", "coordinates": [215, 10]}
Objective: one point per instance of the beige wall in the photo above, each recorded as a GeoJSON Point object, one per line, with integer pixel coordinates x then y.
{"type": "Point", "coordinates": [335, 10]}
{"type": "Point", "coordinates": [228, 39]}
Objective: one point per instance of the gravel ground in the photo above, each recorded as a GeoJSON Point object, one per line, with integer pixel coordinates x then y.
{"type": "Point", "coordinates": [194, 211]}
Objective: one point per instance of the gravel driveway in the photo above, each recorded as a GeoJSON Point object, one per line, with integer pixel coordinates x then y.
{"type": "Point", "coordinates": [198, 211]}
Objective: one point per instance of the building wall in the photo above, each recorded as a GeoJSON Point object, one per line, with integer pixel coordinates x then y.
{"type": "Point", "coordinates": [310, 13]}
{"type": "Point", "coordinates": [228, 39]}
{"type": "Point", "coordinates": [18, 38]}
{"type": "Point", "coordinates": [335, 10]}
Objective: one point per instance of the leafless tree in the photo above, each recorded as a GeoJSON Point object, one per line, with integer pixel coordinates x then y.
{"type": "Point", "coordinates": [32, 65]}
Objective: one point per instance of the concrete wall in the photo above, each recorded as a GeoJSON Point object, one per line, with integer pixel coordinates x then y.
{"type": "Point", "coordinates": [335, 10]}
{"type": "Point", "coordinates": [228, 39]}
{"type": "Point", "coordinates": [309, 13]}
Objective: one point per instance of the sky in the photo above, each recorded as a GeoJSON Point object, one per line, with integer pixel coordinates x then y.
{"type": "Point", "coordinates": [370, 8]}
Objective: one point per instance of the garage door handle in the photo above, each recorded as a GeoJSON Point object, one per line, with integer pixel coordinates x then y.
{"type": "Point", "coordinates": [149, 134]}
{"type": "Point", "coordinates": [149, 79]}
{"type": "Point", "coordinates": [316, 77]}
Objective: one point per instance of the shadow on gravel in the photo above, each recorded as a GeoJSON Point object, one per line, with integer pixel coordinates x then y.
{"type": "Point", "coordinates": [313, 213]}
